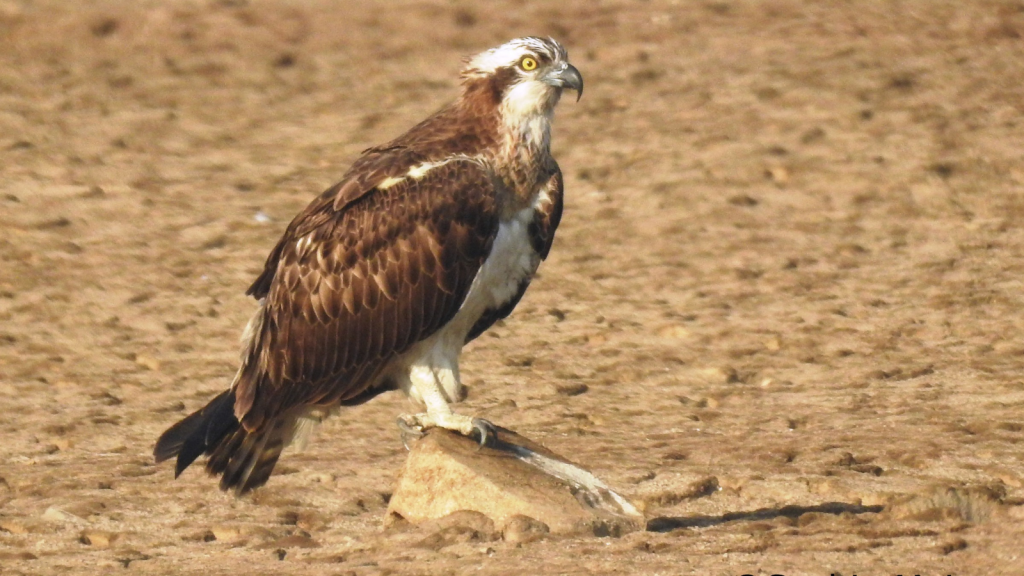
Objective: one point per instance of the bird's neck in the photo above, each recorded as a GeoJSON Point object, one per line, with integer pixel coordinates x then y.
{"type": "Point", "coordinates": [523, 155]}
{"type": "Point", "coordinates": [514, 133]}
{"type": "Point", "coordinates": [528, 138]}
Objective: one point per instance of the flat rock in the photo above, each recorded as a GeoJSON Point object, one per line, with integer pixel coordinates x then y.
{"type": "Point", "coordinates": [97, 538]}
{"type": "Point", "coordinates": [293, 541]}
{"type": "Point", "coordinates": [524, 488]}
{"type": "Point", "coordinates": [523, 529]}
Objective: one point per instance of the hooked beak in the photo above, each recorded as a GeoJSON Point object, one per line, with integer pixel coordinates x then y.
{"type": "Point", "coordinates": [566, 76]}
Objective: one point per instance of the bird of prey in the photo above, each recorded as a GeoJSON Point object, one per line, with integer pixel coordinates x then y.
{"type": "Point", "coordinates": [377, 285]}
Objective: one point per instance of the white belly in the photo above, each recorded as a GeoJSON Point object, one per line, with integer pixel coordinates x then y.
{"type": "Point", "coordinates": [512, 260]}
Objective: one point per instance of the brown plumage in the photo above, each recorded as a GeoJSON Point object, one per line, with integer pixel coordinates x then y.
{"type": "Point", "coordinates": [385, 275]}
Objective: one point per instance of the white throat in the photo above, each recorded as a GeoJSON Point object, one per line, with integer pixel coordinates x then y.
{"type": "Point", "coordinates": [526, 111]}
{"type": "Point", "coordinates": [534, 133]}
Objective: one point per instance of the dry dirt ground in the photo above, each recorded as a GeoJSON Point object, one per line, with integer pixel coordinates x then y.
{"type": "Point", "coordinates": [783, 311]}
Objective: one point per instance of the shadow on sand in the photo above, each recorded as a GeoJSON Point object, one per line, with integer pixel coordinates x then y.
{"type": "Point", "coordinates": [669, 523]}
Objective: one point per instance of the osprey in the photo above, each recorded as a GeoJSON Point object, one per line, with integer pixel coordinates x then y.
{"type": "Point", "coordinates": [377, 285]}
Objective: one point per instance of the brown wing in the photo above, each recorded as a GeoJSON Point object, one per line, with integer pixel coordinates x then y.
{"type": "Point", "coordinates": [445, 133]}
{"type": "Point", "coordinates": [372, 167]}
{"type": "Point", "coordinates": [542, 235]}
{"type": "Point", "coordinates": [358, 281]}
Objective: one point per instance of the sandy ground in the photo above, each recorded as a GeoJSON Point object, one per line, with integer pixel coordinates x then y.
{"type": "Point", "coordinates": [782, 313]}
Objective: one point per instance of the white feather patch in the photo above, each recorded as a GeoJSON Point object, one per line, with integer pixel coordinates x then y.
{"type": "Point", "coordinates": [510, 52]}
{"type": "Point", "coordinates": [420, 170]}
{"type": "Point", "coordinates": [436, 359]}
{"type": "Point", "coordinates": [249, 338]}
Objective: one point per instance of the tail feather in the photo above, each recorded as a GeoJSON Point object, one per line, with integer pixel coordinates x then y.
{"type": "Point", "coordinates": [246, 460]}
{"type": "Point", "coordinates": [199, 433]}
{"type": "Point", "coordinates": [218, 461]}
{"type": "Point", "coordinates": [243, 458]}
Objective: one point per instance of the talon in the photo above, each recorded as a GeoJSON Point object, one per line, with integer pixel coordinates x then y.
{"type": "Point", "coordinates": [408, 431]}
{"type": "Point", "coordinates": [488, 432]}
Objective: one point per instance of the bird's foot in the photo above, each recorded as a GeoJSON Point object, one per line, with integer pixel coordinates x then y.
{"type": "Point", "coordinates": [409, 430]}
{"type": "Point", "coordinates": [413, 426]}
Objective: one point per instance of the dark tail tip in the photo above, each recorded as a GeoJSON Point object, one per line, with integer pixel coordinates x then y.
{"type": "Point", "coordinates": [244, 460]}
{"type": "Point", "coordinates": [198, 433]}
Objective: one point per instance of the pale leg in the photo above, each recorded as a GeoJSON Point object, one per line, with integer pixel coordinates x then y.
{"type": "Point", "coordinates": [433, 387]}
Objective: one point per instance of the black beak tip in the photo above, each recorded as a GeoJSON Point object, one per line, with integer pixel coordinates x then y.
{"type": "Point", "coordinates": [567, 77]}
{"type": "Point", "coordinates": [574, 80]}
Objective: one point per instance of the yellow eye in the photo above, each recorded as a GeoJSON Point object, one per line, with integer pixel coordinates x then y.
{"type": "Point", "coordinates": [528, 64]}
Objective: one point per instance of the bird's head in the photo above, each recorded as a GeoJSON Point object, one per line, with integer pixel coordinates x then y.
{"type": "Point", "coordinates": [525, 76]}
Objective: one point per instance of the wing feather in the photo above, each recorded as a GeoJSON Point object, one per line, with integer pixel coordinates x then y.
{"type": "Point", "coordinates": [406, 320]}
{"type": "Point", "coordinates": [330, 349]}
{"type": "Point", "coordinates": [388, 328]}
{"type": "Point", "coordinates": [346, 334]}
{"type": "Point", "coordinates": [361, 279]}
